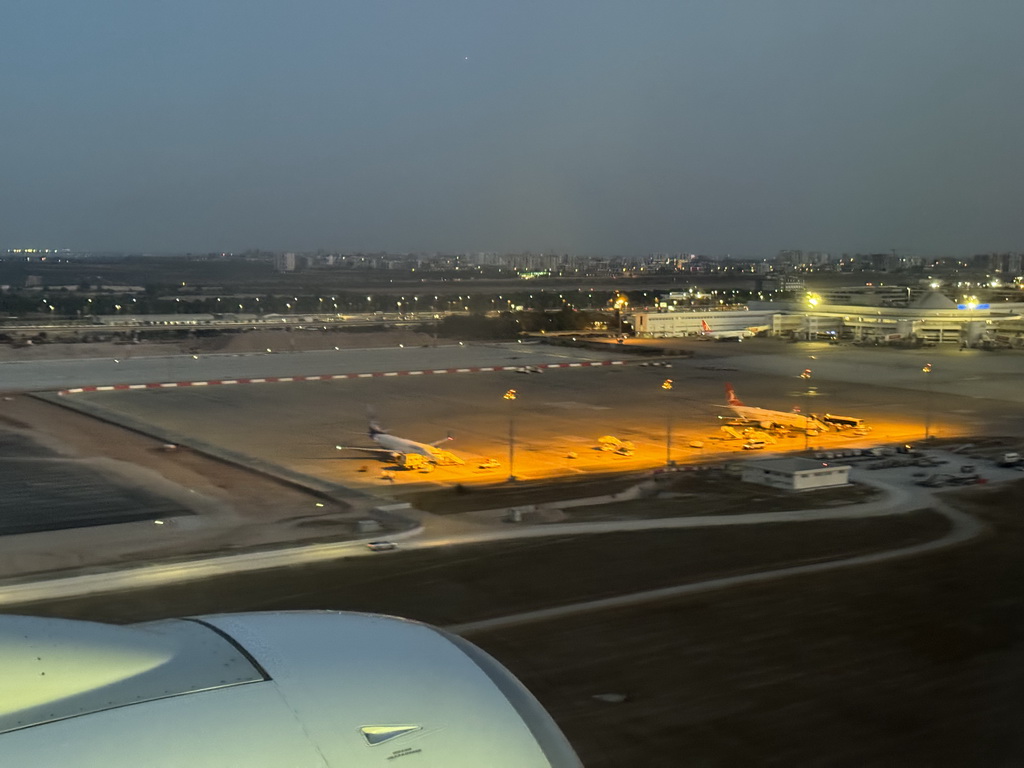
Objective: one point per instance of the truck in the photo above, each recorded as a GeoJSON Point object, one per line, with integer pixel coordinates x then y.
{"type": "Point", "coordinates": [842, 422]}
{"type": "Point", "coordinates": [1009, 459]}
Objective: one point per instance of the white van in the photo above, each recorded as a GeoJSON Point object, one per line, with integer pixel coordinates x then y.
{"type": "Point", "coordinates": [754, 445]}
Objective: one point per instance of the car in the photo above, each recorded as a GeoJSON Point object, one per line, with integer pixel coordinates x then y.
{"type": "Point", "coordinates": [489, 464]}
{"type": "Point", "coordinates": [381, 546]}
{"type": "Point", "coordinates": [754, 445]}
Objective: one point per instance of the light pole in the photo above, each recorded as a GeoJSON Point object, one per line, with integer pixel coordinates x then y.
{"type": "Point", "coordinates": [927, 371]}
{"type": "Point", "coordinates": [806, 375]}
{"type": "Point", "coordinates": [667, 386]}
{"type": "Point", "coordinates": [621, 302]}
{"type": "Point", "coordinates": [511, 397]}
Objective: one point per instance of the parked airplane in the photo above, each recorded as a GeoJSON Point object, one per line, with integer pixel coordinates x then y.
{"type": "Point", "coordinates": [267, 689]}
{"type": "Point", "coordinates": [406, 453]}
{"type": "Point", "coordinates": [737, 335]}
{"type": "Point", "coordinates": [767, 418]}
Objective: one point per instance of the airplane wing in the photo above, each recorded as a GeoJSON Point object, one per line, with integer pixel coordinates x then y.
{"type": "Point", "coordinates": [363, 448]}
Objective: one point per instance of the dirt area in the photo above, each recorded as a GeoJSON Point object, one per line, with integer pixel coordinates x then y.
{"type": "Point", "coordinates": [467, 498]}
{"type": "Point", "coordinates": [238, 505]}
{"type": "Point", "coordinates": [629, 496]}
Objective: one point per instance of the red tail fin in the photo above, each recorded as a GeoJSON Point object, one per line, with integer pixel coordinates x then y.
{"type": "Point", "coordinates": [704, 326]}
{"type": "Point", "coordinates": [730, 395]}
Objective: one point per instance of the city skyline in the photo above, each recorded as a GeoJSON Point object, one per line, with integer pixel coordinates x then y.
{"type": "Point", "coordinates": [736, 128]}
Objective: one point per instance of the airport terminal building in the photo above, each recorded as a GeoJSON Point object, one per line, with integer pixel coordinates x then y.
{"type": "Point", "coordinates": [932, 318]}
{"type": "Point", "coordinates": [660, 325]}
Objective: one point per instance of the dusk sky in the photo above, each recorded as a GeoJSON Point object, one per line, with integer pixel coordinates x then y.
{"type": "Point", "coordinates": [720, 127]}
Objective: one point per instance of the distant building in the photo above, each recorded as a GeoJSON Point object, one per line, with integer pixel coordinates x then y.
{"type": "Point", "coordinates": [785, 283]}
{"type": "Point", "coordinates": [866, 295]}
{"type": "Point", "coordinates": [284, 262]}
{"type": "Point", "coordinates": [795, 474]}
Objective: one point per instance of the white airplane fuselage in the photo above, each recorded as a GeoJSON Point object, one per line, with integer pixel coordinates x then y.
{"type": "Point", "coordinates": [737, 335]}
{"type": "Point", "coordinates": [399, 445]}
{"type": "Point", "coordinates": [768, 418]}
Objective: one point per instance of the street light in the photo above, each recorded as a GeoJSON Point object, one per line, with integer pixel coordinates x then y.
{"type": "Point", "coordinates": [621, 302]}
{"type": "Point", "coordinates": [806, 375]}
{"type": "Point", "coordinates": [667, 386]}
{"type": "Point", "coordinates": [511, 397]}
{"type": "Point", "coordinates": [927, 370]}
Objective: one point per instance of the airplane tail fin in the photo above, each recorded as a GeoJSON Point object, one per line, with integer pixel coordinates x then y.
{"type": "Point", "coordinates": [705, 327]}
{"type": "Point", "coordinates": [445, 440]}
{"type": "Point", "coordinates": [374, 426]}
{"type": "Point", "coordinates": [730, 395]}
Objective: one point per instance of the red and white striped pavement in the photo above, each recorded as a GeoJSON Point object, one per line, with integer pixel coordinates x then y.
{"type": "Point", "coordinates": [328, 377]}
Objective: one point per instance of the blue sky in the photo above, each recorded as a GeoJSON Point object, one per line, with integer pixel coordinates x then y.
{"type": "Point", "coordinates": [723, 127]}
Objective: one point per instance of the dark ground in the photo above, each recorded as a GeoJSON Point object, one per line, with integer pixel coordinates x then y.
{"type": "Point", "coordinates": [41, 490]}
{"type": "Point", "coordinates": [715, 490]}
{"type": "Point", "coordinates": [911, 663]}
{"type": "Point", "coordinates": [917, 662]}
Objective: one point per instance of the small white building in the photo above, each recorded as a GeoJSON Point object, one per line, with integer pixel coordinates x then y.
{"type": "Point", "coordinates": [795, 474]}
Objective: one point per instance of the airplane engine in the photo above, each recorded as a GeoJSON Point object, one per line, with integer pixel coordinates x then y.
{"type": "Point", "coordinates": [316, 689]}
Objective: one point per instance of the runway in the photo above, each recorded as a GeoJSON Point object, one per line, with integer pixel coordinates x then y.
{"type": "Point", "coordinates": [47, 375]}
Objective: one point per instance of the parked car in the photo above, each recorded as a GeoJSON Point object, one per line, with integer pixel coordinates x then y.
{"type": "Point", "coordinates": [381, 546]}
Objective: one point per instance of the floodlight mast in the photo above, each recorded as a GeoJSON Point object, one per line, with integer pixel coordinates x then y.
{"type": "Point", "coordinates": [927, 370]}
{"type": "Point", "coordinates": [511, 395]}
{"type": "Point", "coordinates": [667, 386]}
